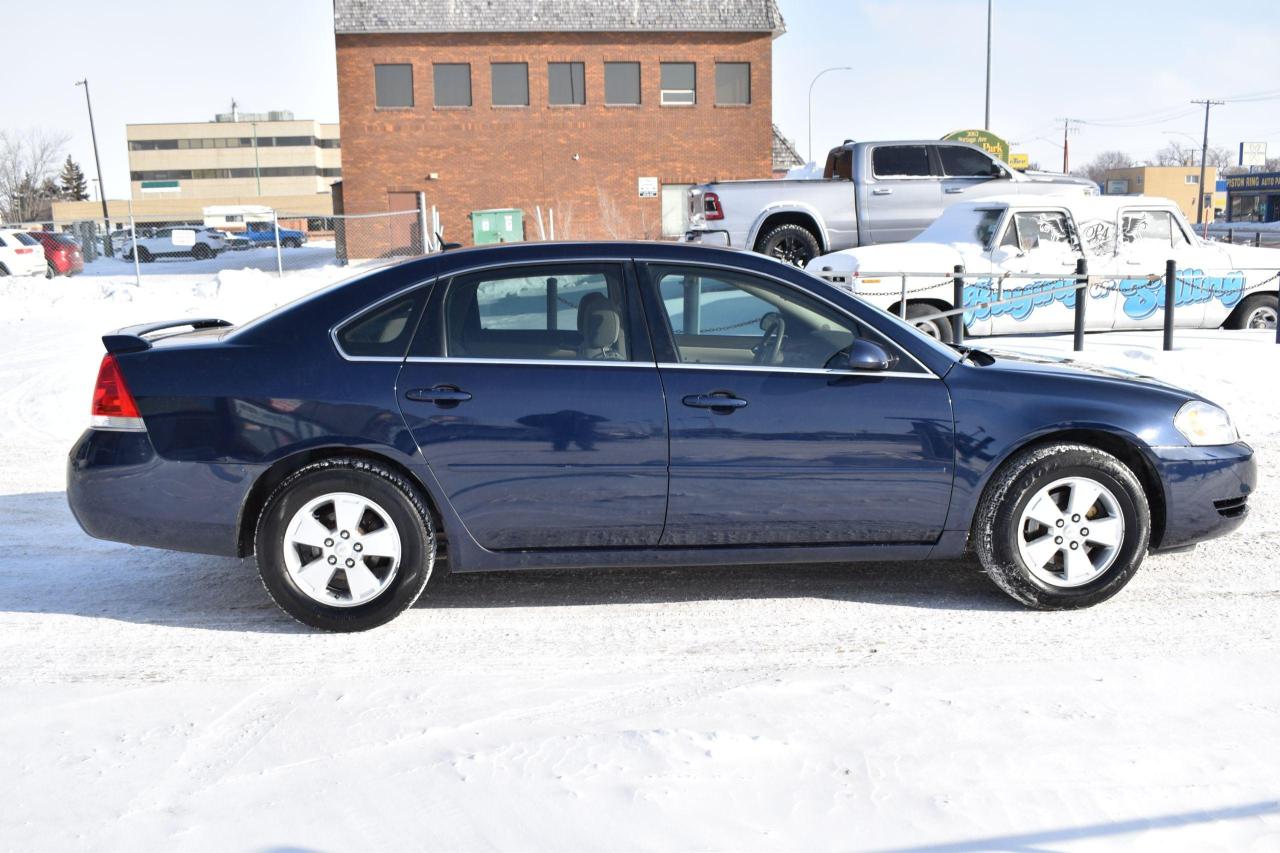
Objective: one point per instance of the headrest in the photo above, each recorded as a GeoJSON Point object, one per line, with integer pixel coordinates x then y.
{"type": "Point", "coordinates": [591, 300]}
{"type": "Point", "coordinates": [602, 326]}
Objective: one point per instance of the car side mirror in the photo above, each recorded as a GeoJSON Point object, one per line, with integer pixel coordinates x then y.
{"type": "Point", "coordinates": [863, 354]}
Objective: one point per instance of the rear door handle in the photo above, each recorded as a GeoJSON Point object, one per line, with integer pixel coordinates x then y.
{"type": "Point", "coordinates": [882, 191]}
{"type": "Point", "coordinates": [721, 402]}
{"type": "Point", "coordinates": [953, 190]}
{"type": "Point", "coordinates": [441, 395]}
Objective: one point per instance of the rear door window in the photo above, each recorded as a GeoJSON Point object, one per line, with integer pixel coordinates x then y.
{"type": "Point", "coordinates": [901, 161]}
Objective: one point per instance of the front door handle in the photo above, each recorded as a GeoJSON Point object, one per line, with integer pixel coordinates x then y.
{"type": "Point", "coordinates": [882, 191]}
{"type": "Point", "coordinates": [721, 402]}
{"type": "Point", "coordinates": [441, 395]}
{"type": "Point", "coordinates": [953, 190]}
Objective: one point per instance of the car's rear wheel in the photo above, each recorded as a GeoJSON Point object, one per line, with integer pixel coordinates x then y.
{"type": "Point", "coordinates": [345, 544]}
{"type": "Point", "coordinates": [791, 243]}
{"type": "Point", "coordinates": [1259, 311]}
{"type": "Point", "coordinates": [50, 271]}
{"type": "Point", "coordinates": [1062, 526]}
{"type": "Point", "coordinates": [201, 251]}
{"type": "Point", "coordinates": [938, 329]}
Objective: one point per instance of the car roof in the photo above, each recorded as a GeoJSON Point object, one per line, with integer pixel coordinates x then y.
{"type": "Point", "coordinates": [1093, 204]}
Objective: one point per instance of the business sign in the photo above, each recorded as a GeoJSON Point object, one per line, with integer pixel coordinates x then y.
{"type": "Point", "coordinates": [1262, 181]}
{"type": "Point", "coordinates": [1253, 154]}
{"type": "Point", "coordinates": [1118, 186]}
{"type": "Point", "coordinates": [1020, 162]}
{"type": "Point", "coordinates": [183, 237]}
{"type": "Point", "coordinates": [648, 187]}
{"type": "Point", "coordinates": [160, 186]}
{"type": "Point", "coordinates": [984, 139]}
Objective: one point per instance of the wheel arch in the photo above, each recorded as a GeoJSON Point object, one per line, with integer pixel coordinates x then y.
{"type": "Point", "coordinates": [805, 218]}
{"type": "Point", "coordinates": [256, 498]}
{"type": "Point", "coordinates": [1124, 447]}
{"type": "Point", "coordinates": [940, 304]}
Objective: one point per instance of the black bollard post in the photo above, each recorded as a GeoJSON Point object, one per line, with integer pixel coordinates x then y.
{"type": "Point", "coordinates": [957, 320]}
{"type": "Point", "coordinates": [1170, 282]}
{"type": "Point", "coordinates": [1082, 294]}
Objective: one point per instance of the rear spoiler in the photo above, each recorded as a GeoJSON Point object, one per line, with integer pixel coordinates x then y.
{"type": "Point", "coordinates": [130, 338]}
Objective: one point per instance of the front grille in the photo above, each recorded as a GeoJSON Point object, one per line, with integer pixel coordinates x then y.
{"type": "Point", "coordinates": [1232, 507]}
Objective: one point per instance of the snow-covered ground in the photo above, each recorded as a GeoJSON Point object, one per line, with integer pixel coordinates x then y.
{"type": "Point", "coordinates": [159, 701]}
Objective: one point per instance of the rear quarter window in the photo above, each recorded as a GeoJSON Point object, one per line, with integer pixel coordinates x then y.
{"type": "Point", "coordinates": [383, 331]}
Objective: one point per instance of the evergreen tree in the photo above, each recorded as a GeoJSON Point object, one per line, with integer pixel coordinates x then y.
{"type": "Point", "coordinates": [72, 183]}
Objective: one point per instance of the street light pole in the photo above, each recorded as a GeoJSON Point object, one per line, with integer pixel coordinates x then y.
{"type": "Point", "coordinates": [102, 189]}
{"type": "Point", "coordinates": [986, 116]}
{"type": "Point", "coordinates": [257, 172]}
{"type": "Point", "coordinates": [811, 83]}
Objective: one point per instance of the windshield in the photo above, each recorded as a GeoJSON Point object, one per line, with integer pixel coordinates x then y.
{"type": "Point", "coordinates": [963, 225]}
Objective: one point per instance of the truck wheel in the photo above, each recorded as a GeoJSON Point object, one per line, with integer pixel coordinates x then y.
{"type": "Point", "coordinates": [1062, 526]}
{"type": "Point", "coordinates": [791, 243]}
{"type": "Point", "coordinates": [291, 243]}
{"type": "Point", "coordinates": [1257, 312]}
{"type": "Point", "coordinates": [938, 329]}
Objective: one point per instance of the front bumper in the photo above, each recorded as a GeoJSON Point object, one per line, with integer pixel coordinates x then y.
{"type": "Point", "coordinates": [1206, 491]}
{"type": "Point", "coordinates": [120, 489]}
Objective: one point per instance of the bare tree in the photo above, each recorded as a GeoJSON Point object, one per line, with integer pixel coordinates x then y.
{"type": "Point", "coordinates": [28, 160]}
{"type": "Point", "coordinates": [1097, 168]}
{"type": "Point", "coordinates": [613, 220]}
{"type": "Point", "coordinates": [1176, 153]}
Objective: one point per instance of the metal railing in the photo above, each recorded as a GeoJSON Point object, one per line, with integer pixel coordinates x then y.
{"type": "Point", "coordinates": [1079, 279]}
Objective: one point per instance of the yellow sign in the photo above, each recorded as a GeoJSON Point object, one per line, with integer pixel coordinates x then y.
{"type": "Point", "coordinates": [1019, 161]}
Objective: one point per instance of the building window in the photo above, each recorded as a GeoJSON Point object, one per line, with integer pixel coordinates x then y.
{"type": "Point", "coordinates": [510, 84]}
{"type": "Point", "coordinates": [622, 83]}
{"type": "Point", "coordinates": [733, 83]}
{"type": "Point", "coordinates": [566, 83]}
{"type": "Point", "coordinates": [679, 83]}
{"type": "Point", "coordinates": [392, 86]}
{"type": "Point", "coordinates": [452, 84]}
{"type": "Point", "coordinates": [1192, 179]}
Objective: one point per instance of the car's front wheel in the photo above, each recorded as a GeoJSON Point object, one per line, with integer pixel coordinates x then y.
{"type": "Point", "coordinates": [1062, 526]}
{"type": "Point", "coordinates": [345, 544]}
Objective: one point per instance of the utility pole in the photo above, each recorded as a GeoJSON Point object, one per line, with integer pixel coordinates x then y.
{"type": "Point", "coordinates": [986, 116]}
{"type": "Point", "coordinates": [257, 171]}
{"type": "Point", "coordinates": [1066, 131]}
{"type": "Point", "coordinates": [1204, 154]}
{"type": "Point", "coordinates": [102, 189]}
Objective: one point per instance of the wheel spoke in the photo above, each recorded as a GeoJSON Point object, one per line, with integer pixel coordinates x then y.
{"type": "Point", "coordinates": [1041, 551]}
{"type": "Point", "coordinates": [381, 543]}
{"type": "Point", "coordinates": [311, 532]}
{"type": "Point", "coordinates": [1105, 531]}
{"type": "Point", "coordinates": [361, 581]}
{"type": "Point", "coordinates": [317, 574]}
{"type": "Point", "coordinates": [1045, 511]}
{"type": "Point", "coordinates": [1078, 564]}
{"type": "Point", "coordinates": [1084, 494]}
{"type": "Point", "coordinates": [347, 512]}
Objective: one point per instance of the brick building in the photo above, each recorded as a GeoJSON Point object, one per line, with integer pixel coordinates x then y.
{"type": "Point", "coordinates": [603, 112]}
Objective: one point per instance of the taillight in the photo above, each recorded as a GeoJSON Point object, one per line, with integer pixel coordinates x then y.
{"type": "Point", "coordinates": [711, 205]}
{"type": "Point", "coordinates": [25, 251]}
{"type": "Point", "coordinates": [113, 405]}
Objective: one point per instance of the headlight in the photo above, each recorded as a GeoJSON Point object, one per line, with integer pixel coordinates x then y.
{"type": "Point", "coordinates": [1205, 424]}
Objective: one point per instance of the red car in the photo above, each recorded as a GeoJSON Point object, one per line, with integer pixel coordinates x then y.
{"type": "Point", "coordinates": [61, 253]}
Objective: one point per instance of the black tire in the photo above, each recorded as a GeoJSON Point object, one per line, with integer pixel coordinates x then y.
{"type": "Point", "coordinates": [939, 329]}
{"type": "Point", "coordinates": [791, 243]}
{"type": "Point", "coordinates": [403, 503]}
{"type": "Point", "coordinates": [996, 525]}
{"type": "Point", "coordinates": [4, 271]}
{"type": "Point", "coordinates": [50, 271]}
{"type": "Point", "coordinates": [144, 255]}
{"type": "Point", "coordinates": [291, 243]}
{"type": "Point", "coordinates": [201, 252]}
{"type": "Point", "coordinates": [1259, 311]}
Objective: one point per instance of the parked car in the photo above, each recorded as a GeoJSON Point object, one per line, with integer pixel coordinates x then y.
{"type": "Point", "coordinates": [21, 254]}
{"type": "Point", "coordinates": [1126, 240]}
{"type": "Point", "coordinates": [870, 192]}
{"type": "Point", "coordinates": [515, 405]}
{"type": "Point", "coordinates": [61, 253]}
{"type": "Point", "coordinates": [233, 242]}
{"type": "Point", "coordinates": [178, 241]}
{"type": "Point", "coordinates": [264, 233]}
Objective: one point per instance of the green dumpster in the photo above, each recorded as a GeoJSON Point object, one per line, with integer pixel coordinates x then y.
{"type": "Point", "coordinates": [501, 225]}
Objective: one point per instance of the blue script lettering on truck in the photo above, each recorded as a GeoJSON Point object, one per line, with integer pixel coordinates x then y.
{"type": "Point", "coordinates": [1142, 296]}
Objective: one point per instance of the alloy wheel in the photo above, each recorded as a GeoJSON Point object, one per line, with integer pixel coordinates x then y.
{"type": "Point", "coordinates": [1262, 317]}
{"type": "Point", "coordinates": [1070, 532]}
{"type": "Point", "coordinates": [342, 549]}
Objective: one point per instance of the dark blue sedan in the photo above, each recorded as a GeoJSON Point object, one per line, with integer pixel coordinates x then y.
{"type": "Point", "coordinates": [630, 404]}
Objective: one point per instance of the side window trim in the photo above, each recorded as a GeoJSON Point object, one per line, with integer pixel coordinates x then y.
{"type": "Point", "coordinates": [664, 336]}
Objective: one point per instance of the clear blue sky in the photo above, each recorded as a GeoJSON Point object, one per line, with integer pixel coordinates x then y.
{"type": "Point", "coordinates": [919, 69]}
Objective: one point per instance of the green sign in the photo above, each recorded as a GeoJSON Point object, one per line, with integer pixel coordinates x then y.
{"type": "Point", "coordinates": [984, 139]}
{"type": "Point", "coordinates": [159, 186]}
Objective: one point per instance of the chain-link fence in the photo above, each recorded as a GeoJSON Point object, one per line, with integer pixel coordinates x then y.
{"type": "Point", "coordinates": [275, 242]}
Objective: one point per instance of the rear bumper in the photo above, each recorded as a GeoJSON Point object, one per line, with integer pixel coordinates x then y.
{"type": "Point", "coordinates": [1206, 491]}
{"type": "Point", "coordinates": [118, 488]}
{"type": "Point", "coordinates": [709, 237]}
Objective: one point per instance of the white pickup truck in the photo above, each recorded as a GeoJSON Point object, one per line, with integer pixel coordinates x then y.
{"type": "Point", "coordinates": [870, 192]}
{"type": "Point", "coordinates": [1002, 241]}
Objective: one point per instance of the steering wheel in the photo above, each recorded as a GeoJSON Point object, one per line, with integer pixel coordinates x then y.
{"type": "Point", "coordinates": [770, 346]}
